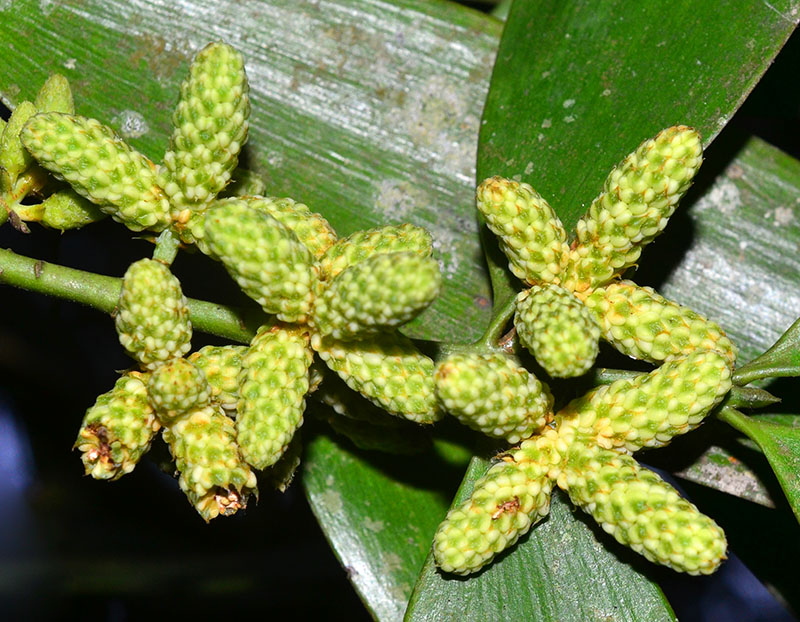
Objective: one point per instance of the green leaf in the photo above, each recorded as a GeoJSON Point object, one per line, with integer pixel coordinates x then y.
{"type": "Point", "coordinates": [567, 572]}
{"type": "Point", "coordinates": [782, 359]}
{"type": "Point", "coordinates": [780, 443]}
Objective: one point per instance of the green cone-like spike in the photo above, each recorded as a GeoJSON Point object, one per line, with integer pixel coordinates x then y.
{"type": "Point", "coordinates": [210, 127]}
{"type": "Point", "coordinates": [651, 409]}
{"type": "Point", "coordinates": [642, 511]}
{"type": "Point", "coordinates": [264, 258]}
{"type": "Point", "coordinates": [177, 387]}
{"type": "Point", "coordinates": [313, 231]}
{"type": "Point", "coordinates": [272, 388]}
{"type": "Point", "coordinates": [377, 294]}
{"type": "Point", "coordinates": [152, 317]}
{"type": "Point", "coordinates": [644, 325]}
{"type": "Point", "coordinates": [66, 209]}
{"type": "Point", "coordinates": [55, 96]}
{"type": "Point", "coordinates": [492, 394]}
{"type": "Point", "coordinates": [386, 369]}
{"type": "Point", "coordinates": [221, 366]}
{"type": "Point", "coordinates": [530, 233]}
{"type": "Point", "coordinates": [212, 474]}
{"type": "Point", "coordinates": [558, 330]}
{"type": "Point", "coordinates": [14, 158]}
{"type": "Point", "coordinates": [363, 244]}
{"type": "Point", "coordinates": [99, 166]}
{"type": "Point", "coordinates": [505, 503]}
{"type": "Point", "coordinates": [638, 198]}
{"type": "Point", "coordinates": [116, 432]}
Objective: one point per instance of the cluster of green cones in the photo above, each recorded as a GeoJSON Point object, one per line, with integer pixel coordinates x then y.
{"type": "Point", "coordinates": [574, 298]}
{"type": "Point", "coordinates": [228, 411]}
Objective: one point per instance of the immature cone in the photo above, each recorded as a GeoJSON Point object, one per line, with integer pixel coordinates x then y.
{"type": "Point", "coordinates": [272, 388]}
{"type": "Point", "coordinates": [361, 245]}
{"type": "Point", "coordinates": [557, 329]}
{"type": "Point", "coordinates": [310, 228]}
{"type": "Point", "coordinates": [506, 502]}
{"type": "Point", "coordinates": [66, 209]}
{"type": "Point", "coordinates": [492, 394]}
{"type": "Point", "coordinates": [99, 166]}
{"type": "Point", "coordinates": [14, 158]}
{"type": "Point", "coordinates": [377, 294]}
{"type": "Point", "coordinates": [210, 127]}
{"type": "Point", "coordinates": [386, 369]}
{"type": "Point", "coordinates": [264, 258]}
{"type": "Point", "coordinates": [530, 233]}
{"type": "Point", "coordinates": [221, 366]}
{"type": "Point", "coordinates": [638, 198]}
{"type": "Point", "coordinates": [642, 511]}
{"type": "Point", "coordinates": [152, 317]}
{"type": "Point", "coordinates": [55, 96]}
{"type": "Point", "coordinates": [177, 387]}
{"type": "Point", "coordinates": [212, 474]}
{"type": "Point", "coordinates": [116, 432]}
{"type": "Point", "coordinates": [651, 409]}
{"type": "Point", "coordinates": [644, 325]}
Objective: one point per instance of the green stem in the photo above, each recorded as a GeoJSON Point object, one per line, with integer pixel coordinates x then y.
{"type": "Point", "coordinates": [167, 245]}
{"type": "Point", "coordinates": [498, 324]}
{"type": "Point", "coordinates": [738, 421]}
{"type": "Point", "coordinates": [102, 292]}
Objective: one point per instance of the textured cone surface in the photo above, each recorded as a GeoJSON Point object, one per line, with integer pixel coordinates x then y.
{"type": "Point", "coordinates": [212, 473]}
{"type": "Point", "coordinates": [55, 96]}
{"type": "Point", "coordinates": [273, 384]}
{"type": "Point", "coordinates": [557, 329]}
{"type": "Point", "coordinates": [377, 294]}
{"type": "Point", "coordinates": [388, 370]}
{"type": "Point", "coordinates": [651, 409]}
{"type": "Point", "coordinates": [177, 387]}
{"type": "Point", "coordinates": [99, 166]}
{"type": "Point", "coordinates": [492, 394]}
{"type": "Point", "coordinates": [66, 209]}
{"type": "Point", "coordinates": [530, 233]}
{"type": "Point", "coordinates": [264, 258]}
{"type": "Point", "coordinates": [152, 317]}
{"type": "Point", "coordinates": [644, 325]}
{"type": "Point", "coordinates": [313, 231]}
{"type": "Point", "coordinates": [642, 511]}
{"type": "Point", "coordinates": [14, 158]}
{"type": "Point", "coordinates": [506, 502]}
{"type": "Point", "coordinates": [361, 245]}
{"type": "Point", "coordinates": [221, 366]}
{"type": "Point", "coordinates": [210, 127]}
{"type": "Point", "coordinates": [191, 227]}
{"type": "Point", "coordinates": [116, 432]}
{"type": "Point", "coordinates": [638, 198]}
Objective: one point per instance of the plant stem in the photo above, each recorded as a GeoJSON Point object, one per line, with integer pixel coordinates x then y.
{"type": "Point", "coordinates": [102, 292]}
{"type": "Point", "coordinates": [737, 420]}
{"type": "Point", "coordinates": [167, 245]}
{"type": "Point", "coordinates": [498, 324]}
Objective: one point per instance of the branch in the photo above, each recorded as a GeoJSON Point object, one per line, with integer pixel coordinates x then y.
{"type": "Point", "coordinates": [102, 293]}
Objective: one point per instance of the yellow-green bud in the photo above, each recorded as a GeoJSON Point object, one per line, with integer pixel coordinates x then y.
{"type": "Point", "coordinates": [642, 511]}
{"type": "Point", "coordinates": [221, 366]}
{"type": "Point", "coordinates": [492, 394]}
{"type": "Point", "coordinates": [273, 383]}
{"type": "Point", "coordinates": [66, 209]}
{"type": "Point", "coordinates": [557, 329]}
{"type": "Point", "coordinates": [117, 431]}
{"type": "Point", "coordinates": [55, 96]}
{"type": "Point", "coordinates": [99, 166]}
{"type": "Point", "coordinates": [152, 317]}
{"type": "Point", "coordinates": [530, 233]}
{"type": "Point", "coordinates": [177, 387]}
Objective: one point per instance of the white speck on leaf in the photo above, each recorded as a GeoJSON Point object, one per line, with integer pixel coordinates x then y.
{"type": "Point", "coordinates": [373, 525]}
{"type": "Point", "coordinates": [783, 216]}
{"type": "Point", "coordinates": [332, 501]}
{"type": "Point", "coordinates": [529, 168]}
{"type": "Point", "coordinates": [70, 63]}
{"type": "Point", "coordinates": [724, 196]}
{"type": "Point", "coordinates": [569, 119]}
{"type": "Point", "coordinates": [131, 124]}
{"type": "Point", "coordinates": [606, 93]}
{"type": "Point", "coordinates": [568, 103]}
{"type": "Point", "coordinates": [547, 123]}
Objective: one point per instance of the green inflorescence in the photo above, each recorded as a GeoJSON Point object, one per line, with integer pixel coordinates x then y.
{"type": "Point", "coordinates": [226, 411]}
